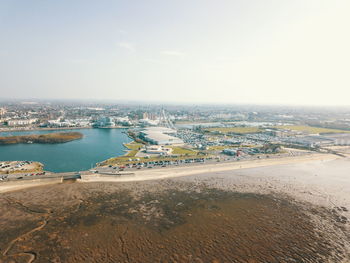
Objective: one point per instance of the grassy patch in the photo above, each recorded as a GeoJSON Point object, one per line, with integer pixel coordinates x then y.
{"type": "Point", "coordinates": [133, 145]}
{"type": "Point", "coordinates": [59, 137]}
{"type": "Point", "coordinates": [182, 151]}
{"type": "Point", "coordinates": [218, 147]}
{"type": "Point", "coordinates": [131, 153]}
{"type": "Point", "coordinates": [310, 129]}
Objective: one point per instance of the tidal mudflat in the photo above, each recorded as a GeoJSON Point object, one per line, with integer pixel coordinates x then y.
{"type": "Point", "coordinates": [165, 221]}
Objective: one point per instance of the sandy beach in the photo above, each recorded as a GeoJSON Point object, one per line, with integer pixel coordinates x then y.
{"type": "Point", "coordinates": [274, 210]}
{"type": "Point", "coordinates": [171, 172]}
{"type": "Point", "coordinates": [20, 185]}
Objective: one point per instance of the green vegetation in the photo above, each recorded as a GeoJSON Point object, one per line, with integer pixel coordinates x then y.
{"type": "Point", "coordinates": [60, 137]}
{"type": "Point", "coordinates": [237, 130]}
{"type": "Point", "coordinates": [133, 145]}
{"type": "Point", "coordinates": [218, 147]}
{"type": "Point", "coordinates": [311, 129]}
{"type": "Point", "coordinates": [179, 153]}
{"type": "Point", "coordinates": [123, 159]}
{"type": "Point", "coordinates": [133, 148]}
{"type": "Point", "coordinates": [131, 153]}
{"type": "Point", "coordinates": [182, 151]}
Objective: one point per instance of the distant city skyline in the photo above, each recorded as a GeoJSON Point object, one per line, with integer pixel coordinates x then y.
{"type": "Point", "coordinates": [232, 52]}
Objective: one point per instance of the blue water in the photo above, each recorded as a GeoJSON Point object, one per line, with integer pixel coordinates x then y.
{"type": "Point", "coordinates": [96, 145]}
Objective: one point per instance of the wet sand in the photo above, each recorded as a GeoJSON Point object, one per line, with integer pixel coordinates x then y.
{"type": "Point", "coordinates": [21, 185]}
{"type": "Point", "coordinates": [175, 172]}
{"type": "Point", "coordinates": [189, 219]}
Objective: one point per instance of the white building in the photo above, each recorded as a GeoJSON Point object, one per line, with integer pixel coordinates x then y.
{"type": "Point", "coordinates": [104, 122]}
{"type": "Point", "coordinates": [2, 111]}
{"type": "Point", "coordinates": [20, 122]}
{"type": "Point", "coordinates": [148, 122]}
{"type": "Point", "coordinates": [312, 141]}
{"type": "Point", "coordinates": [158, 149]}
{"type": "Point", "coordinates": [160, 136]}
{"type": "Point", "coordinates": [123, 121]}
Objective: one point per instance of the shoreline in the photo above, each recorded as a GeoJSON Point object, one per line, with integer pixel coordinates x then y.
{"type": "Point", "coordinates": [43, 129]}
{"type": "Point", "coordinates": [58, 129]}
{"type": "Point", "coordinates": [47, 138]}
{"type": "Point", "coordinates": [171, 172]}
{"type": "Point", "coordinates": [290, 196]}
{"type": "Point", "coordinates": [11, 186]}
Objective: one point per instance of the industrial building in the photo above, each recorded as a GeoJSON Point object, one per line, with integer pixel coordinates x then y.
{"type": "Point", "coordinates": [339, 138]}
{"type": "Point", "coordinates": [160, 136]}
{"type": "Point", "coordinates": [311, 141]}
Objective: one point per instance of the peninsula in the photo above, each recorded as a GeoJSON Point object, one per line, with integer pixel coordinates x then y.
{"type": "Point", "coordinates": [60, 137]}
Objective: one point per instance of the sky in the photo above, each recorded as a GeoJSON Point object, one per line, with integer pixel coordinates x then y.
{"type": "Point", "coordinates": [197, 51]}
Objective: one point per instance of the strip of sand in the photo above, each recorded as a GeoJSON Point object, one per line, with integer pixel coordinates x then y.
{"type": "Point", "coordinates": [172, 172]}
{"type": "Point", "coordinates": [19, 185]}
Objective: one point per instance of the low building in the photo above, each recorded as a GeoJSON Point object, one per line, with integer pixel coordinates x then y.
{"type": "Point", "coordinates": [159, 136]}
{"type": "Point", "coordinates": [282, 133]}
{"type": "Point", "coordinates": [339, 138]}
{"type": "Point", "coordinates": [158, 149]}
{"type": "Point", "coordinates": [231, 152]}
{"type": "Point", "coordinates": [2, 111]}
{"type": "Point", "coordinates": [20, 122]}
{"type": "Point", "coordinates": [124, 121]}
{"type": "Point", "coordinates": [311, 141]}
{"type": "Point", "coordinates": [104, 122]}
{"type": "Point", "coordinates": [148, 122]}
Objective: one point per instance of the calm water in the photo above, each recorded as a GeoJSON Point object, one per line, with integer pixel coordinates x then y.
{"type": "Point", "coordinates": [96, 145]}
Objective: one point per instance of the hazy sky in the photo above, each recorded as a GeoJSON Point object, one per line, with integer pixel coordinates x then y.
{"type": "Point", "coordinates": [230, 51]}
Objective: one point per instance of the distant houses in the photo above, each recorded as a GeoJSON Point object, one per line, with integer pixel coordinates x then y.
{"type": "Point", "coordinates": [20, 122]}
{"type": "Point", "coordinates": [104, 122]}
